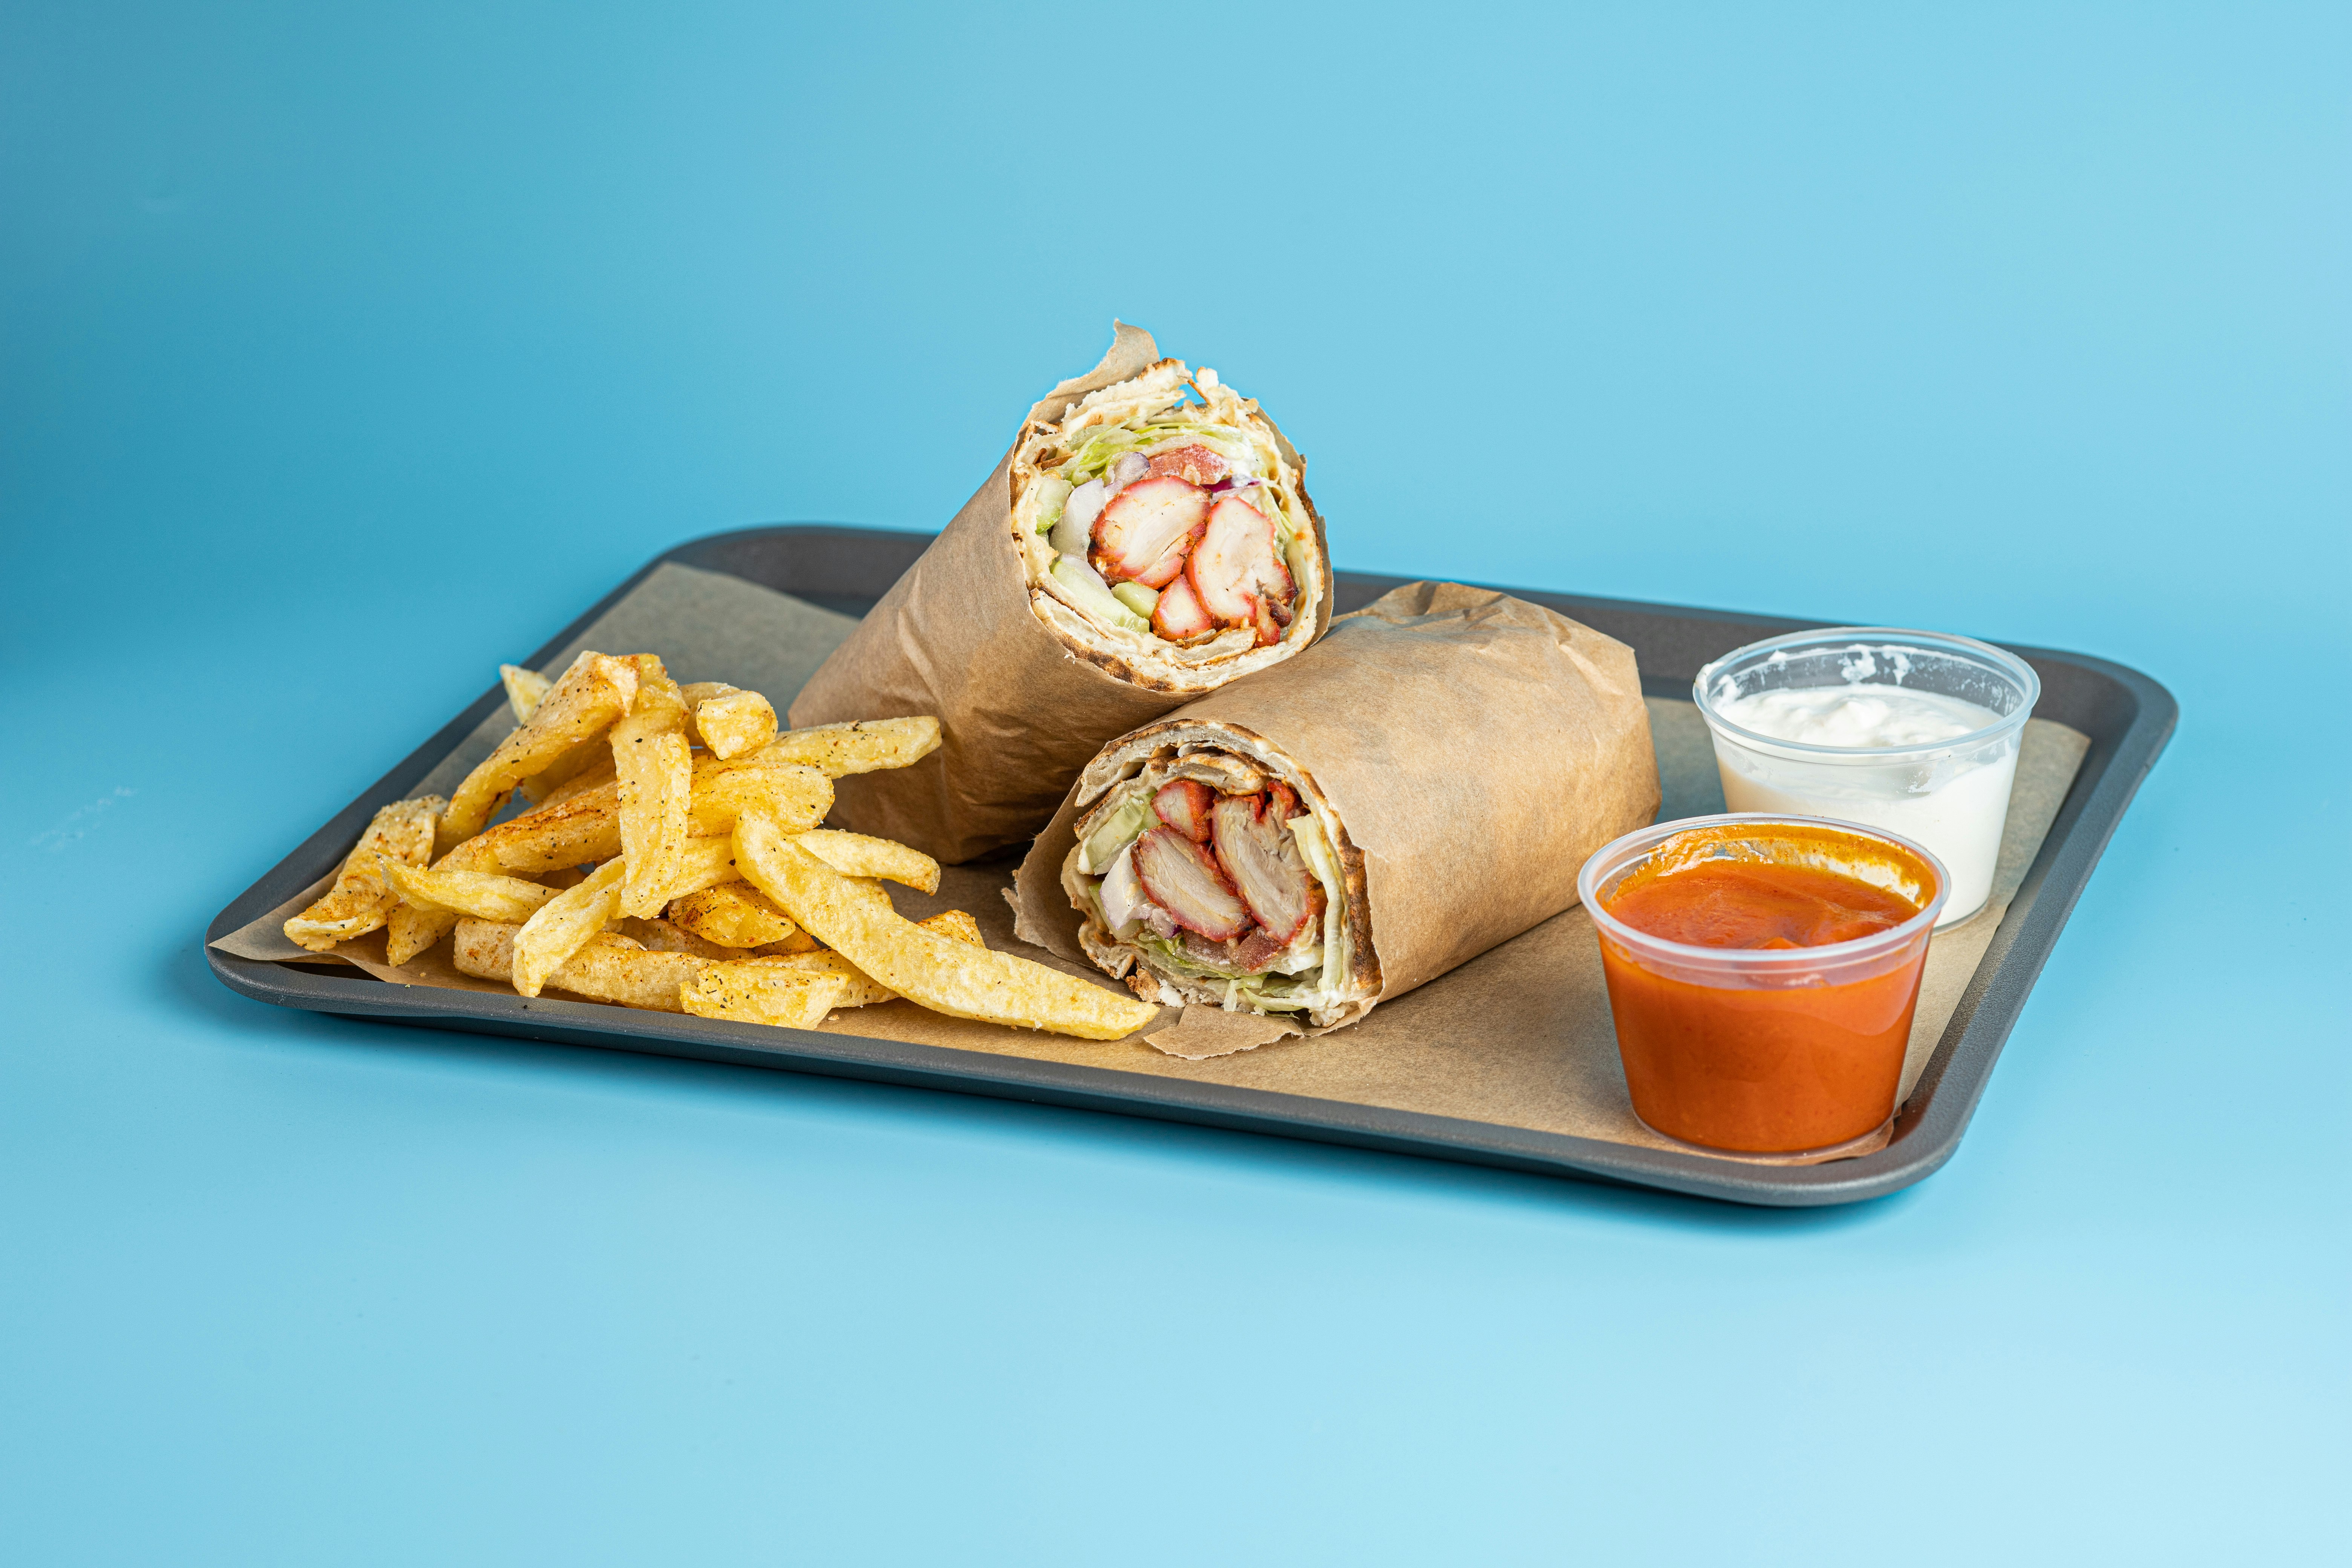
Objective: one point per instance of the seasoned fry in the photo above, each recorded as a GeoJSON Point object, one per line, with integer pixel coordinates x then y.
{"type": "Point", "coordinates": [400, 833]}
{"type": "Point", "coordinates": [609, 968]}
{"type": "Point", "coordinates": [799, 941]}
{"type": "Point", "coordinates": [485, 895]}
{"type": "Point", "coordinates": [867, 747]}
{"type": "Point", "coordinates": [662, 936]}
{"type": "Point", "coordinates": [731, 721]}
{"type": "Point", "coordinates": [579, 771]}
{"type": "Point", "coordinates": [526, 689]}
{"type": "Point", "coordinates": [797, 796]}
{"type": "Point", "coordinates": [733, 914]}
{"type": "Point", "coordinates": [704, 863]}
{"type": "Point", "coordinates": [754, 993]}
{"type": "Point", "coordinates": [858, 989]}
{"type": "Point", "coordinates": [938, 971]}
{"type": "Point", "coordinates": [655, 775]}
{"type": "Point", "coordinates": [563, 925]}
{"type": "Point", "coordinates": [855, 855]}
{"type": "Point", "coordinates": [583, 828]}
{"type": "Point", "coordinates": [957, 923]}
{"type": "Point", "coordinates": [582, 705]}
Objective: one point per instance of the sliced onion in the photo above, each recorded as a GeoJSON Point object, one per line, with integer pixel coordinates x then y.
{"type": "Point", "coordinates": [1130, 467]}
{"type": "Point", "coordinates": [1121, 891]}
{"type": "Point", "coordinates": [1076, 526]}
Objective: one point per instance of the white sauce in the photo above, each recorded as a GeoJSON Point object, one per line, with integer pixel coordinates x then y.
{"type": "Point", "coordinates": [1859, 715]}
{"type": "Point", "coordinates": [1955, 801]}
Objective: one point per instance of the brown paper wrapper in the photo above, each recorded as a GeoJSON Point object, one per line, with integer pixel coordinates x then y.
{"type": "Point", "coordinates": [1475, 750]}
{"type": "Point", "coordinates": [1021, 707]}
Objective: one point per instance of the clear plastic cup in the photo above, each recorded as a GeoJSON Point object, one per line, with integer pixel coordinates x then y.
{"type": "Point", "coordinates": [1952, 796]}
{"type": "Point", "coordinates": [1785, 1051]}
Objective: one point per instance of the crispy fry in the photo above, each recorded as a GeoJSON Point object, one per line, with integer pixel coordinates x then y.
{"type": "Point", "coordinates": [799, 797]}
{"type": "Point", "coordinates": [526, 689]}
{"type": "Point", "coordinates": [858, 989]}
{"type": "Point", "coordinates": [663, 936]}
{"type": "Point", "coordinates": [563, 925]}
{"type": "Point", "coordinates": [753, 993]}
{"type": "Point", "coordinates": [609, 968]}
{"type": "Point", "coordinates": [957, 923]}
{"type": "Point", "coordinates": [733, 914]}
{"type": "Point", "coordinates": [400, 833]}
{"type": "Point", "coordinates": [938, 971]}
{"type": "Point", "coordinates": [866, 747]}
{"type": "Point", "coordinates": [582, 705]}
{"type": "Point", "coordinates": [580, 772]}
{"type": "Point", "coordinates": [583, 828]}
{"type": "Point", "coordinates": [861, 989]}
{"type": "Point", "coordinates": [704, 863]}
{"type": "Point", "coordinates": [799, 941]}
{"type": "Point", "coordinates": [731, 721]}
{"type": "Point", "coordinates": [855, 855]}
{"type": "Point", "coordinates": [655, 775]}
{"type": "Point", "coordinates": [485, 895]}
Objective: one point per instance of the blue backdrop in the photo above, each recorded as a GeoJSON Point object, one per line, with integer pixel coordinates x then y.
{"type": "Point", "coordinates": [351, 350]}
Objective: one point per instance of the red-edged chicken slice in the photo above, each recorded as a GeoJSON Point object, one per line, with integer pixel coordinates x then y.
{"type": "Point", "coordinates": [1184, 805]}
{"type": "Point", "coordinates": [1236, 572]}
{"type": "Point", "coordinates": [1177, 615]}
{"type": "Point", "coordinates": [1258, 854]}
{"type": "Point", "coordinates": [1142, 534]}
{"type": "Point", "coordinates": [1193, 464]}
{"type": "Point", "coordinates": [1180, 877]}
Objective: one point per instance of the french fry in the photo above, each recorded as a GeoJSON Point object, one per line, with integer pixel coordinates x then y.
{"type": "Point", "coordinates": [731, 721]}
{"type": "Point", "coordinates": [654, 772]}
{"type": "Point", "coordinates": [859, 988]}
{"type": "Point", "coordinates": [582, 706]}
{"type": "Point", "coordinates": [957, 923]}
{"type": "Point", "coordinates": [580, 771]}
{"type": "Point", "coordinates": [869, 746]}
{"type": "Point", "coordinates": [799, 941]}
{"type": "Point", "coordinates": [584, 828]}
{"type": "Point", "coordinates": [753, 993]}
{"type": "Point", "coordinates": [733, 914]}
{"type": "Point", "coordinates": [703, 864]}
{"type": "Point", "coordinates": [609, 968]}
{"type": "Point", "coordinates": [360, 901]}
{"type": "Point", "coordinates": [485, 895]}
{"type": "Point", "coordinates": [562, 926]}
{"type": "Point", "coordinates": [935, 971]}
{"type": "Point", "coordinates": [855, 855]}
{"type": "Point", "coordinates": [525, 689]}
{"type": "Point", "coordinates": [662, 936]}
{"type": "Point", "coordinates": [797, 796]}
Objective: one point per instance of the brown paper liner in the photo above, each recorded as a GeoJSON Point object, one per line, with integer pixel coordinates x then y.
{"type": "Point", "coordinates": [1475, 749]}
{"type": "Point", "coordinates": [1020, 710]}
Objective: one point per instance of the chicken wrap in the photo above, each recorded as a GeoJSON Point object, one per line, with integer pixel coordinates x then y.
{"type": "Point", "coordinates": [1421, 784]}
{"type": "Point", "coordinates": [1148, 539]}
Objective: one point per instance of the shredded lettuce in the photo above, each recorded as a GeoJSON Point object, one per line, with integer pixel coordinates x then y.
{"type": "Point", "coordinates": [1101, 446]}
{"type": "Point", "coordinates": [1119, 829]}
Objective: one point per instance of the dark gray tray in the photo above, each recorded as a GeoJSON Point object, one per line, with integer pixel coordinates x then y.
{"type": "Point", "coordinates": [2126, 715]}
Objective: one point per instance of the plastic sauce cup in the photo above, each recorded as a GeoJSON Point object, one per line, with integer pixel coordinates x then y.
{"type": "Point", "coordinates": [1756, 1050]}
{"type": "Point", "coordinates": [1952, 796]}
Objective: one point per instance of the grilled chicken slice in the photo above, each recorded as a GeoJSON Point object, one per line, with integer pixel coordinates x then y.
{"type": "Point", "coordinates": [1258, 854]}
{"type": "Point", "coordinates": [1193, 464]}
{"type": "Point", "coordinates": [1177, 616]}
{"type": "Point", "coordinates": [1282, 802]}
{"type": "Point", "coordinates": [1143, 535]}
{"type": "Point", "coordinates": [1183, 878]}
{"type": "Point", "coordinates": [1184, 805]}
{"type": "Point", "coordinates": [1237, 572]}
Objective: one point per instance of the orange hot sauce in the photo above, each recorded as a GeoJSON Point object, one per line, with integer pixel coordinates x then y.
{"type": "Point", "coordinates": [1793, 1058]}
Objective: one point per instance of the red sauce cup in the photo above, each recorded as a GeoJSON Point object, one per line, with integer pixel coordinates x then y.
{"type": "Point", "coordinates": [1765, 1052]}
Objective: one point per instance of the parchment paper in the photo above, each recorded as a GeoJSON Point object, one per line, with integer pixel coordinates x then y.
{"type": "Point", "coordinates": [1020, 712]}
{"type": "Point", "coordinates": [1474, 747]}
{"type": "Point", "coordinates": [1519, 1036]}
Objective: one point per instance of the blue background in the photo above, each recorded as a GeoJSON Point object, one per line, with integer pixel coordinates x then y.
{"type": "Point", "coordinates": [347, 350]}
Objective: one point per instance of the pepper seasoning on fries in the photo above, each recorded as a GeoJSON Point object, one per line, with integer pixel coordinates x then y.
{"type": "Point", "coordinates": [673, 858]}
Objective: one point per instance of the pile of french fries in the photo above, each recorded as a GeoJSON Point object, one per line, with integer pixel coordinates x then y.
{"type": "Point", "coordinates": [673, 858]}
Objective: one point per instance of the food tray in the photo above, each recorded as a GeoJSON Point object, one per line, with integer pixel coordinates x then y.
{"type": "Point", "coordinates": [2125, 716]}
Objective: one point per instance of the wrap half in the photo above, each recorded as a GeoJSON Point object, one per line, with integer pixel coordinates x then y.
{"type": "Point", "coordinates": [1420, 785]}
{"type": "Point", "coordinates": [1148, 539]}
